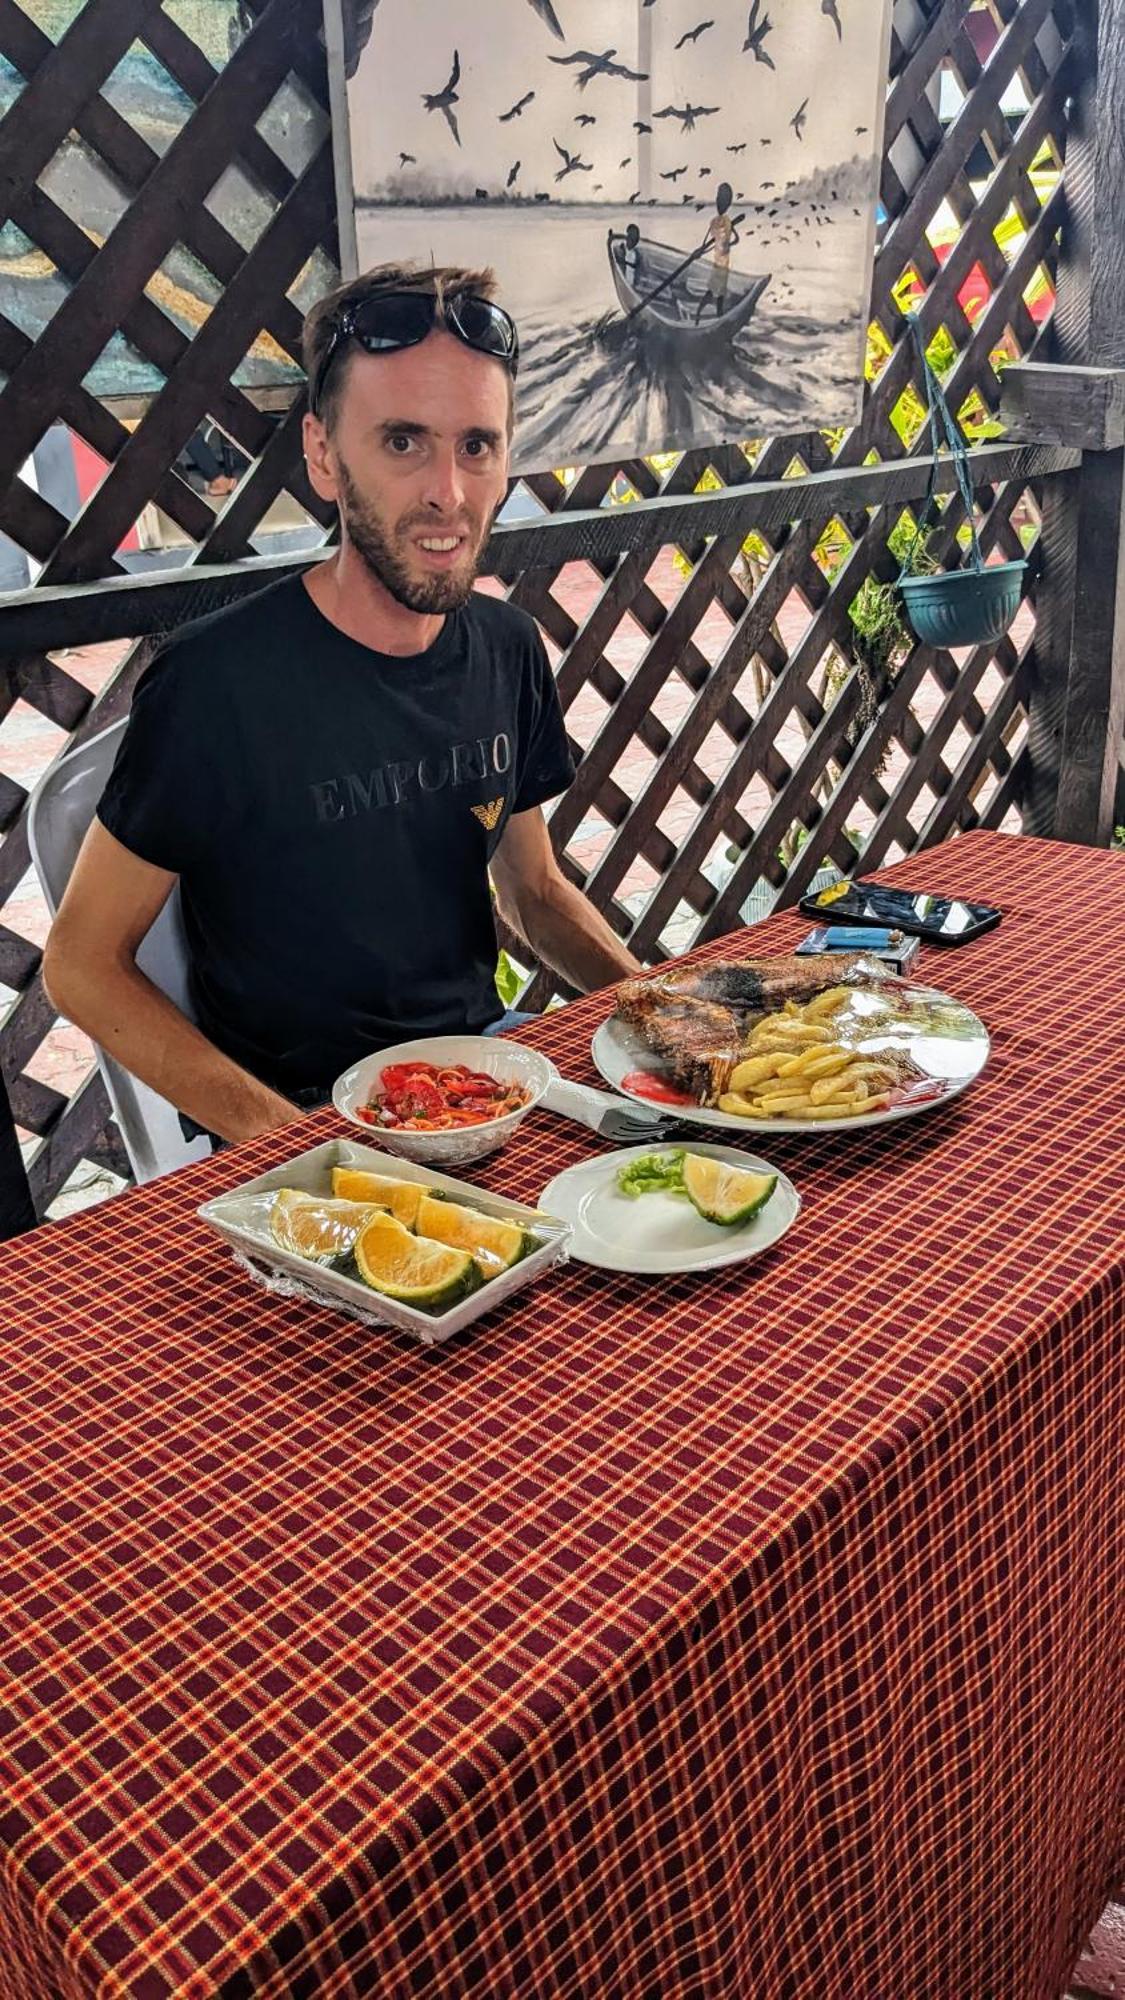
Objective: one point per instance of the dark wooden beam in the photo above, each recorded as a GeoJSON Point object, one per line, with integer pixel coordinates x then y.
{"type": "Point", "coordinates": [1045, 402]}
{"type": "Point", "coordinates": [91, 312]}
{"type": "Point", "coordinates": [42, 620]}
{"type": "Point", "coordinates": [38, 121]}
{"type": "Point", "coordinates": [76, 1137]}
{"type": "Point", "coordinates": [16, 1211]}
{"type": "Point", "coordinates": [1077, 688]}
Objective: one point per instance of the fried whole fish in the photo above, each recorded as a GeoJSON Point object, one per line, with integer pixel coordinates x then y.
{"type": "Point", "coordinates": [698, 1018]}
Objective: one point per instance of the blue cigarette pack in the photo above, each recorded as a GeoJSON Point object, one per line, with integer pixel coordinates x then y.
{"type": "Point", "coordinates": [894, 948]}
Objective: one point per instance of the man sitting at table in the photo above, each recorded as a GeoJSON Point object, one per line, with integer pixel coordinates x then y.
{"type": "Point", "coordinates": [333, 768]}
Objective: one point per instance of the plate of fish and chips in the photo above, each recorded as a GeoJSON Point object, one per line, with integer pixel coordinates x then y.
{"type": "Point", "coordinates": [788, 1044]}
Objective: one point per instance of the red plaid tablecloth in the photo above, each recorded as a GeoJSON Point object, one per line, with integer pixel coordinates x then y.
{"type": "Point", "coordinates": [749, 1637]}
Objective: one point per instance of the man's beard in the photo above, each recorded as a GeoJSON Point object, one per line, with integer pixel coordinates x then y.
{"type": "Point", "coordinates": [377, 549]}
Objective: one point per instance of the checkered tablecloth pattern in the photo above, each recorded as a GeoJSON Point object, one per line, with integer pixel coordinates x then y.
{"type": "Point", "coordinates": [749, 1637]}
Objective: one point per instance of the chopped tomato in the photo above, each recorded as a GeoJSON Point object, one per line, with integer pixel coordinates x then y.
{"type": "Point", "coordinates": [430, 1099]}
{"type": "Point", "coordinates": [650, 1083]}
{"type": "Point", "coordinates": [397, 1074]}
{"type": "Point", "coordinates": [419, 1097]}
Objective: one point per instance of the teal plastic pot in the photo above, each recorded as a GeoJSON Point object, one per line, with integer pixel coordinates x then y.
{"type": "Point", "coordinates": [964, 607]}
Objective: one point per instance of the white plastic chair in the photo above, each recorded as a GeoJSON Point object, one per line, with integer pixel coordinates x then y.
{"type": "Point", "coordinates": [62, 807]}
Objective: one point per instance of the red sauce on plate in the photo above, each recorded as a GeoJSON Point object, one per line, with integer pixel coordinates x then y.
{"type": "Point", "coordinates": [649, 1083]}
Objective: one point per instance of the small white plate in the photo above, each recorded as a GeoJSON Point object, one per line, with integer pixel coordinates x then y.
{"type": "Point", "coordinates": [652, 1234]}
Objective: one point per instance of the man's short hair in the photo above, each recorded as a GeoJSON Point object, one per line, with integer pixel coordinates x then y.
{"type": "Point", "coordinates": [438, 281]}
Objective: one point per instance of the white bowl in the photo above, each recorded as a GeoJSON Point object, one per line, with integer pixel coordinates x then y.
{"type": "Point", "coordinates": [488, 1053]}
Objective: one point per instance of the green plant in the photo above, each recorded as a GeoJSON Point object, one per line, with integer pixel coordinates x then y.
{"type": "Point", "coordinates": [792, 844]}
{"type": "Point", "coordinates": [879, 631]}
{"type": "Point", "coordinates": [881, 638]}
{"type": "Point", "coordinates": [509, 979]}
{"type": "Point", "coordinates": [1118, 837]}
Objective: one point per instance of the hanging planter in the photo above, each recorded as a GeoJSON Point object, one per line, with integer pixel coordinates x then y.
{"type": "Point", "coordinates": [975, 605]}
{"type": "Point", "coordinates": [964, 607]}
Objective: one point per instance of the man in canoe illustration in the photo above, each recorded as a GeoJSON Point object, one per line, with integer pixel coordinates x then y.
{"type": "Point", "coordinates": [722, 235]}
{"type": "Point", "coordinates": [628, 254]}
{"type": "Point", "coordinates": [632, 262]}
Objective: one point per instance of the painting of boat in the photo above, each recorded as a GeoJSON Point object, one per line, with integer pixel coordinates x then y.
{"type": "Point", "coordinates": [733, 204]}
{"type": "Point", "coordinates": [668, 290]}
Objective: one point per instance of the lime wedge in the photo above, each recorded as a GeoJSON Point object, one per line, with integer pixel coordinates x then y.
{"type": "Point", "coordinates": [404, 1267]}
{"type": "Point", "coordinates": [723, 1194]}
{"type": "Point", "coordinates": [314, 1226]}
{"type": "Point", "coordinates": [380, 1191]}
{"type": "Point", "coordinates": [496, 1246]}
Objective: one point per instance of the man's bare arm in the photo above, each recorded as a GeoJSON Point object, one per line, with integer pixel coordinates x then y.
{"type": "Point", "coordinates": [91, 974]}
{"type": "Point", "coordinates": [559, 923]}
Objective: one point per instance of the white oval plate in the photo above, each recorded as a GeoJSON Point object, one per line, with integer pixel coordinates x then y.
{"type": "Point", "coordinates": [950, 1054]}
{"type": "Point", "coordinates": [653, 1234]}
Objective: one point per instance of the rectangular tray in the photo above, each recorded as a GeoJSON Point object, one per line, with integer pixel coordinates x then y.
{"type": "Point", "coordinates": [239, 1218]}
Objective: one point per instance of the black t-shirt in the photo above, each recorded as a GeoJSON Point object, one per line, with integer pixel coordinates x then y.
{"type": "Point", "coordinates": [331, 812]}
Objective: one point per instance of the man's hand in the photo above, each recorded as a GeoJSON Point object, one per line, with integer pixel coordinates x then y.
{"type": "Point", "coordinates": [559, 923]}
{"type": "Point", "coordinates": [89, 966]}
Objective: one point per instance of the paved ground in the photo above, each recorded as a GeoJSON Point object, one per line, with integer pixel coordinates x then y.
{"type": "Point", "coordinates": [1100, 1971]}
{"type": "Point", "coordinates": [29, 743]}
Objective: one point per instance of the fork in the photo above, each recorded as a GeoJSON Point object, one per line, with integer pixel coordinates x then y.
{"type": "Point", "coordinates": [626, 1124]}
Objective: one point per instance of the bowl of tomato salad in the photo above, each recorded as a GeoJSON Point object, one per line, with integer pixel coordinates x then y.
{"type": "Point", "coordinates": [446, 1100]}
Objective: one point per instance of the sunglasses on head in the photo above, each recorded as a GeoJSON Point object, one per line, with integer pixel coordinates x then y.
{"type": "Point", "coordinates": [388, 321]}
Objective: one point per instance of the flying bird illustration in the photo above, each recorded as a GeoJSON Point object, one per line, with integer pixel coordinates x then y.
{"type": "Point", "coordinates": [640, 126]}
{"type": "Point", "coordinates": [740, 148]}
{"type": "Point", "coordinates": [584, 118]}
{"type": "Point", "coordinates": [674, 174]}
{"type": "Point", "coordinates": [407, 160]}
{"type": "Point", "coordinates": [574, 165]}
{"type": "Point", "coordinates": [687, 114]}
{"type": "Point", "coordinates": [830, 8]}
{"type": "Point", "coordinates": [627, 161]}
{"type": "Point", "coordinates": [757, 28]}
{"type": "Point", "coordinates": [636, 194]}
{"type": "Point", "coordinates": [517, 109]}
{"type": "Point", "coordinates": [798, 119]}
{"type": "Point", "coordinates": [547, 13]}
{"type": "Point", "coordinates": [595, 65]}
{"type": "Point", "coordinates": [512, 172]}
{"type": "Point", "coordinates": [703, 173]}
{"type": "Point", "coordinates": [860, 130]}
{"type": "Point", "coordinates": [443, 100]}
{"type": "Point", "coordinates": [693, 34]}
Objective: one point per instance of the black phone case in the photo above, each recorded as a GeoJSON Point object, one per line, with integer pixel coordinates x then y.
{"type": "Point", "coordinates": [837, 913]}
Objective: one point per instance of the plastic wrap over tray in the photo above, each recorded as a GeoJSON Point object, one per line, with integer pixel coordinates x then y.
{"type": "Point", "coordinates": [240, 1216]}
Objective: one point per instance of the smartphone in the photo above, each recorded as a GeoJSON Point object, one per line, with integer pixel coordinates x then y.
{"type": "Point", "coordinates": [937, 919]}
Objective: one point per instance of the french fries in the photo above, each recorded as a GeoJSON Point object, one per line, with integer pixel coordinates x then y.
{"type": "Point", "coordinates": [794, 1067]}
{"type": "Point", "coordinates": [825, 1003]}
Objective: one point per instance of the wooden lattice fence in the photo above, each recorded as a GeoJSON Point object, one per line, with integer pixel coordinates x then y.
{"type": "Point", "coordinates": [731, 737]}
